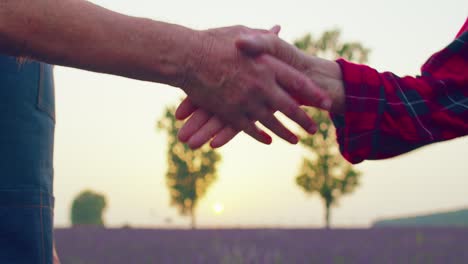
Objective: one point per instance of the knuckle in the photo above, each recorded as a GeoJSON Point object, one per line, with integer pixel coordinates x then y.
{"type": "Point", "coordinates": [285, 52]}
{"type": "Point", "coordinates": [264, 116]}
{"type": "Point", "coordinates": [233, 97]}
{"type": "Point", "coordinates": [241, 28]}
{"type": "Point", "coordinates": [257, 88]}
{"type": "Point", "coordinates": [263, 64]}
{"type": "Point", "coordinates": [300, 84]}
{"type": "Point", "coordinates": [292, 109]}
{"type": "Point", "coordinates": [242, 124]}
{"type": "Point", "coordinates": [291, 58]}
{"type": "Point", "coordinates": [262, 58]}
{"type": "Point", "coordinates": [242, 98]}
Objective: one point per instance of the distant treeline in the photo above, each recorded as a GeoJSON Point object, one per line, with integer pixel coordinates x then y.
{"type": "Point", "coordinates": [457, 218]}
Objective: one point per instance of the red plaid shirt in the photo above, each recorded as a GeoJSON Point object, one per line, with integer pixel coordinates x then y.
{"type": "Point", "coordinates": [387, 115]}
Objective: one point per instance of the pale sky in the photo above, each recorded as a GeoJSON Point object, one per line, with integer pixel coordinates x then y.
{"type": "Point", "coordinates": [106, 138]}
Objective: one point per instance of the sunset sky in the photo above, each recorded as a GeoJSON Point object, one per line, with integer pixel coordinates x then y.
{"type": "Point", "coordinates": [106, 138]}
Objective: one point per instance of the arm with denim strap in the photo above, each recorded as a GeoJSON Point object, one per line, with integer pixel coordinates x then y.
{"type": "Point", "coordinates": [203, 63]}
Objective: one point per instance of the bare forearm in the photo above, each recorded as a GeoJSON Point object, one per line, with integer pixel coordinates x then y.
{"type": "Point", "coordinates": [79, 34]}
{"type": "Point", "coordinates": [205, 64]}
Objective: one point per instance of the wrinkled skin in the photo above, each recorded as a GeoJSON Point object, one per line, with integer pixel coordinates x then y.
{"type": "Point", "coordinates": [312, 82]}
{"type": "Point", "coordinates": [240, 89]}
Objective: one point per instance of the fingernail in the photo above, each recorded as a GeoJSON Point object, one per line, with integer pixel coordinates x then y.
{"type": "Point", "coordinates": [312, 129]}
{"type": "Point", "coordinates": [267, 138]}
{"type": "Point", "coordinates": [294, 140]}
{"type": "Point", "coordinates": [182, 138]}
{"type": "Point", "coordinates": [326, 104]}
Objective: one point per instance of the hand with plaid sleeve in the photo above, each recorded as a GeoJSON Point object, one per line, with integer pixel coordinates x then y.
{"type": "Point", "coordinates": [387, 115]}
{"type": "Point", "coordinates": [376, 115]}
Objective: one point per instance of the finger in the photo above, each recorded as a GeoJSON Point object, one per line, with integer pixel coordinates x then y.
{"type": "Point", "coordinates": [224, 136]}
{"type": "Point", "coordinates": [258, 134]}
{"type": "Point", "coordinates": [265, 115]}
{"type": "Point", "coordinates": [275, 29]}
{"type": "Point", "coordinates": [214, 128]}
{"type": "Point", "coordinates": [260, 110]}
{"type": "Point", "coordinates": [185, 109]}
{"type": "Point", "coordinates": [301, 88]}
{"type": "Point", "coordinates": [267, 118]}
{"type": "Point", "coordinates": [228, 133]}
{"type": "Point", "coordinates": [205, 133]}
{"type": "Point", "coordinates": [195, 122]}
{"type": "Point", "coordinates": [239, 121]}
{"type": "Point", "coordinates": [280, 100]}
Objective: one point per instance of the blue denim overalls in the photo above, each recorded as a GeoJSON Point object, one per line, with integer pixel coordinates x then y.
{"type": "Point", "coordinates": [27, 121]}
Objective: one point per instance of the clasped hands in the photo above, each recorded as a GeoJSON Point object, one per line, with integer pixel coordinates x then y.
{"type": "Point", "coordinates": [242, 76]}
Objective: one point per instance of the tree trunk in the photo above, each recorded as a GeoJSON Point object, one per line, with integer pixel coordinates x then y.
{"type": "Point", "coordinates": [327, 216]}
{"type": "Point", "coordinates": [193, 220]}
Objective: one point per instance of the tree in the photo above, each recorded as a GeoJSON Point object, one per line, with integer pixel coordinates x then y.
{"type": "Point", "coordinates": [190, 172]}
{"type": "Point", "coordinates": [87, 209]}
{"type": "Point", "coordinates": [326, 172]}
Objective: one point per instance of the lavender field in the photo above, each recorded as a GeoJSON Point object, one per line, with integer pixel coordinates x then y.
{"type": "Point", "coordinates": [235, 246]}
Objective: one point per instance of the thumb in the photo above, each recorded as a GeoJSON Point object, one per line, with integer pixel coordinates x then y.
{"type": "Point", "coordinates": [275, 29]}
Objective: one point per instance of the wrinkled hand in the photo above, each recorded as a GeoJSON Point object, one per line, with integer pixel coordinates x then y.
{"type": "Point", "coordinates": [326, 75]}
{"type": "Point", "coordinates": [203, 126]}
{"type": "Point", "coordinates": [240, 89]}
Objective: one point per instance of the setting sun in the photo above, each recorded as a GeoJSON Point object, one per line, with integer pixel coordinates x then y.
{"type": "Point", "coordinates": [218, 208]}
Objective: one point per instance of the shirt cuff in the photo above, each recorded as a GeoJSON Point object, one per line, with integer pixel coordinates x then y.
{"type": "Point", "coordinates": [357, 128]}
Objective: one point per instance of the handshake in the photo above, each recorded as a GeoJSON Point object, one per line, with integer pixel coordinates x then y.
{"type": "Point", "coordinates": [240, 76]}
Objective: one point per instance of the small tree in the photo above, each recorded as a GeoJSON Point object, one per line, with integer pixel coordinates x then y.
{"type": "Point", "coordinates": [87, 209]}
{"type": "Point", "coordinates": [190, 172]}
{"type": "Point", "coordinates": [326, 171]}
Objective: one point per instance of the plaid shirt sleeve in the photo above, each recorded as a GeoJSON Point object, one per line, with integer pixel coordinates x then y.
{"type": "Point", "coordinates": [387, 115]}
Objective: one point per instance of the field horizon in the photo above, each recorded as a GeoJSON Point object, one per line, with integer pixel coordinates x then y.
{"type": "Point", "coordinates": [79, 245]}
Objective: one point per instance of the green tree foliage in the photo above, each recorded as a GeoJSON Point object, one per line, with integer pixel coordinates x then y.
{"type": "Point", "coordinates": [190, 172]}
{"type": "Point", "coordinates": [326, 172]}
{"type": "Point", "coordinates": [87, 209]}
{"type": "Point", "coordinates": [329, 46]}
